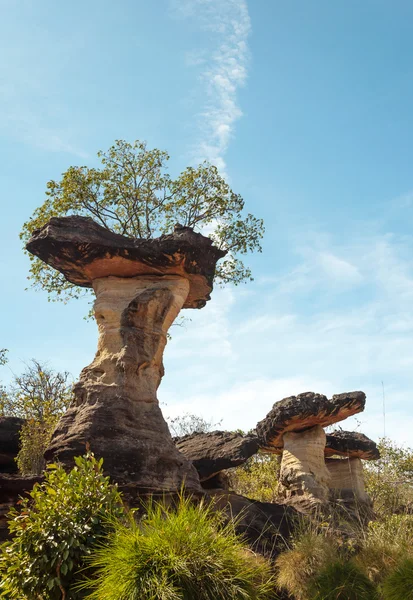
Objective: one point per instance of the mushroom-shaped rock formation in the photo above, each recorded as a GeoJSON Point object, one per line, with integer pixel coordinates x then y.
{"type": "Point", "coordinates": [140, 287]}
{"type": "Point", "coordinates": [294, 428]}
{"type": "Point", "coordinates": [351, 444]}
{"type": "Point", "coordinates": [346, 474]}
{"type": "Point", "coordinates": [215, 451]}
{"type": "Point", "coordinates": [297, 413]}
{"type": "Point", "coordinates": [347, 478]}
{"type": "Point", "coordinates": [9, 443]}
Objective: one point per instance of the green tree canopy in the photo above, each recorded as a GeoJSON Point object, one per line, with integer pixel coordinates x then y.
{"type": "Point", "coordinates": [133, 194]}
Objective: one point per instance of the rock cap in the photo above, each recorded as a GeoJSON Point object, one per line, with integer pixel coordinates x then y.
{"type": "Point", "coordinates": [351, 444]}
{"type": "Point", "coordinates": [301, 412]}
{"type": "Point", "coordinates": [83, 250]}
{"type": "Point", "coordinates": [216, 451]}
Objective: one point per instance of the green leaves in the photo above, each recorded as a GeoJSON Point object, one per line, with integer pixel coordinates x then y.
{"type": "Point", "coordinates": [133, 194]}
{"type": "Point", "coordinates": [55, 528]}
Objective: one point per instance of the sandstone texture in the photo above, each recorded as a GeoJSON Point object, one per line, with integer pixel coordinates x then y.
{"type": "Point", "coordinates": [304, 411]}
{"type": "Point", "coordinates": [304, 477]}
{"type": "Point", "coordinates": [140, 287]}
{"type": "Point", "coordinates": [84, 251]}
{"type": "Point", "coordinates": [216, 451]}
{"type": "Point", "coordinates": [352, 445]}
{"type": "Point", "coordinates": [9, 443]}
{"type": "Point", "coordinates": [346, 478]}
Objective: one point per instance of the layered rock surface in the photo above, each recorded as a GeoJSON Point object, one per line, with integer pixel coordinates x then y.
{"type": "Point", "coordinates": [216, 451]}
{"type": "Point", "coordinates": [351, 444]}
{"type": "Point", "coordinates": [140, 287]}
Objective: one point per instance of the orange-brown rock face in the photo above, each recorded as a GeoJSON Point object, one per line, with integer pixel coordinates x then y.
{"type": "Point", "coordinates": [116, 410]}
{"type": "Point", "coordinates": [347, 477]}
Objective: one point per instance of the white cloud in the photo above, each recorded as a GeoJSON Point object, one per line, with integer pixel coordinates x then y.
{"type": "Point", "coordinates": [223, 71]}
{"type": "Point", "coordinates": [309, 329]}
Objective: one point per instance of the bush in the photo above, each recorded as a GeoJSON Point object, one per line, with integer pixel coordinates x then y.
{"type": "Point", "coordinates": [299, 565]}
{"type": "Point", "coordinates": [257, 478]}
{"type": "Point", "coordinates": [55, 528]}
{"type": "Point", "coordinates": [179, 553]}
{"type": "Point", "coordinates": [342, 581]}
{"type": "Point", "coordinates": [399, 584]}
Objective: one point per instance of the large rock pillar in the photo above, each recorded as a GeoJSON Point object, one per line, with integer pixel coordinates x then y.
{"type": "Point", "coordinates": [140, 287]}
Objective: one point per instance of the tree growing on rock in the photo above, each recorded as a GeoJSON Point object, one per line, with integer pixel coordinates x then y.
{"type": "Point", "coordinates": [39, 395]}
{"type": "Point", "coordinates": [132, 194]}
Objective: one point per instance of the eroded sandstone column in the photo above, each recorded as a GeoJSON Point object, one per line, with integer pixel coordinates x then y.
{"type": "Point", "coordinates": [140, 287]}
{"type": "Point", "coordinates": [347, 477]}
{"type": "Point", "coordinates": [303, 469]}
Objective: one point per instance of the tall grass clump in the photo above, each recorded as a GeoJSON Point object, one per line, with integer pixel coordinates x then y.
{"type": "Point", "coordinates": [179, 553]}
{"type": "Point", "coordinates": [384, 544]}
{"type": "Point", "coordinates": [399, 584]}
{"type": "Point", "coordinates": [296, 567]}
{"type": "Point", "coordinates": [342, 581]}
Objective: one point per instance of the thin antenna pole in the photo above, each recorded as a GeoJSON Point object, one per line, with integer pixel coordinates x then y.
{"type": "Point", "coordinates": [384, 411]}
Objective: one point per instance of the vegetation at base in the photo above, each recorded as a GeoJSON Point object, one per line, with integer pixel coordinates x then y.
{"type": "Point", "coordinates": [39, 395]}
{"type": "Point", "coordinates": [389, 480]}
{"type": "Point", "coordinates": [179, 553]}
{"type": "Point", "coordinates": [309, 553]}
{"type": "Point", "coordinates": [133, 194]}
{"type": "Point", "coordinates": [55, 529]}
{"type": "Point", "coordinates": [399, 584]}
{"type": "Point", "coordinates": [257, 478]}
{"type": "Point", "coordinates": [342, 581]}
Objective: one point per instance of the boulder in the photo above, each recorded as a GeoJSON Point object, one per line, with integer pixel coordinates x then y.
{"type": "Point", "coordinates": [140, 287]}
{"type": "Point", "coordinates": [216, 451]}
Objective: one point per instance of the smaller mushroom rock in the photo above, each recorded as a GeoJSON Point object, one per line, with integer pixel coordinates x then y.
{"type": "Point", "coordinates": [9, 443]}
{"type": "Point", "coordinates": [347, 478]}
{"type": "Point", "coordinates": [216, 451]}
{"type": "Point", "coordinates": [352, 445]}
{"type": "Point", "coordinates": [303, 475]}
{"type": "Point", "coordinates": [304, 411]}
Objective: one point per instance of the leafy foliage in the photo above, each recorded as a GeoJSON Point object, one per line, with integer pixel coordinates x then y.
{"type": "Point", "coordinates": [3, 356]}
{"type": "Point", "coordinates": [55, 528]}
{"type": "Point", "coordinates": [132, 194]}
{"type": "Point", "coordinates": [189, 423]}
{"type": "Point", "coordinates": [178, 554]}
{"type": "Point", "coordinates": [399, 584]}
{"type": "Point", "coordinates": [40, 396]}
{"type": "Point", "coordinates": [342, 581]}
{"type": "Point", "coordinates": [257, 478]}
{"type": "Point", "coordinates": [389, 481]}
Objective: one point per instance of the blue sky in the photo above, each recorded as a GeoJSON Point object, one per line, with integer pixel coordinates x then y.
{"type": "Point", "coordinates": [306, 108]}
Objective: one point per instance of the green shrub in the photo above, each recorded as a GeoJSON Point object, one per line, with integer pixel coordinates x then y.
{"type": "Point", "coordinates": [399, 584]}
{"type": "Point", "coordinates": [342, 581]}
{"type": "Point", "coordinates": [181, 553]}
{"type": "Point", "coordinates": [257, 478]}
{"type": "Point", "coordinates": [296, 567]}
{"type": "Point", "coordinates": [55, 528]}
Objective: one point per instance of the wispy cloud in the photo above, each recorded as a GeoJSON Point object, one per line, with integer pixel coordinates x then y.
{"type": "Point", "coordinates": [222, 71]}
